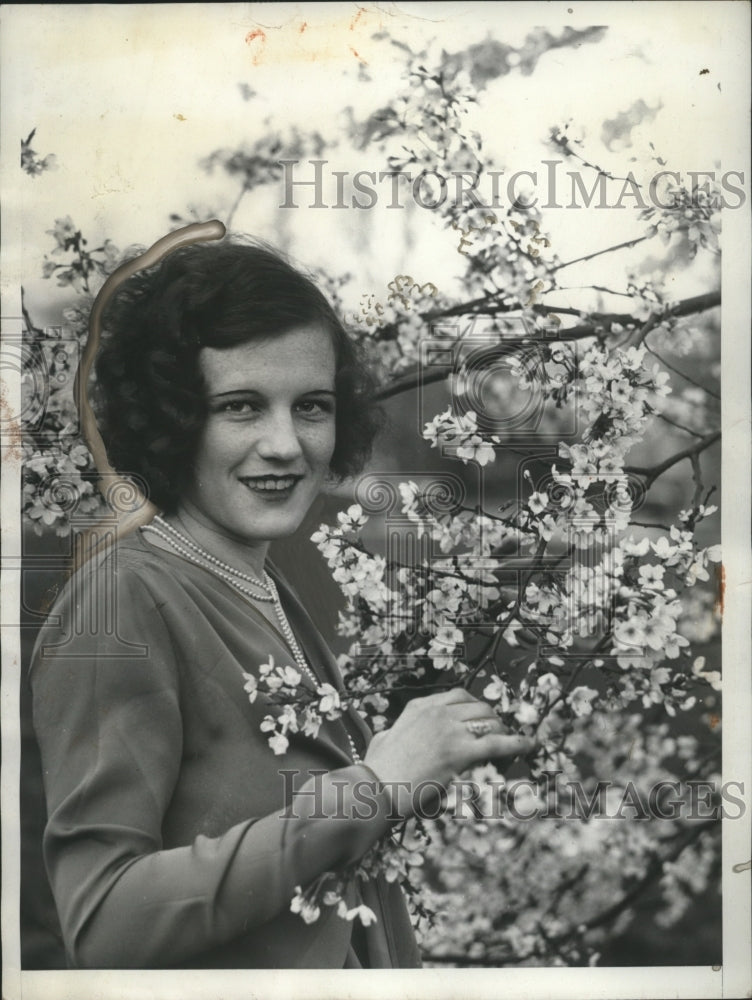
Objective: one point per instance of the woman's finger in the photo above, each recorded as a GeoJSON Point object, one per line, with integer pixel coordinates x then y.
{"type": "Point", "coordinates": [503, 746]}
{"type": "Point", "coordinates": [455, 696]}
{"type": "Point", "coordinates": [473, 710]}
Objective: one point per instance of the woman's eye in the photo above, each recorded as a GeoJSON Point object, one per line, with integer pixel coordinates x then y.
{"type": "Point", "coordinates": [238, 406]}
{"type": "Point", "coordinates": [315, 407]}
{"type": "Point", "coordinates": [310, 408]}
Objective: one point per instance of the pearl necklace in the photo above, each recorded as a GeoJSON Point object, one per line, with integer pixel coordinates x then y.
{"type": "Point", "coordinates": [217, 564]}
{"type": "Point", "coordinates": [178, 541]}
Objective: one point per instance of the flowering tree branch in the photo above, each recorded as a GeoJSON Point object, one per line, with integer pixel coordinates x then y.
{"type": "Point", "coordinates": [597, 327]}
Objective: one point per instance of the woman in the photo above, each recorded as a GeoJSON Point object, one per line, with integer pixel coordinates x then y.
{"type": "Point", "coordinates": [229, 386]}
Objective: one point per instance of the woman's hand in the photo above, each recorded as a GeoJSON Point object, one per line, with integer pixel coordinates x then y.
{"type": "Point", "coordinates": [437, 737]}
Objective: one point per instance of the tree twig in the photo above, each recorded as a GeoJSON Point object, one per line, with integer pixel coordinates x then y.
{"type": "Point", "coordinates": [687, 378]}
{"type": "Point", "coordinates": [651, 474]}
{"type": "Point", "coordinates": [681, 427]}
{"type": "Point", "coordinates": [236, 205]}
{"type": "Point", "coordinates": [599, 253]}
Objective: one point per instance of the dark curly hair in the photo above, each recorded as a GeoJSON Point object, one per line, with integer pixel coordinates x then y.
{"type": "Point", "coordinates": [149, 393]}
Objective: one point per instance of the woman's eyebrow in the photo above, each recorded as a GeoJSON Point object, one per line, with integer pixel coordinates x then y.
{"type": "Point", "coordinates": [236, 392]}
{"type": "Point", "coordinates": [258, 392]}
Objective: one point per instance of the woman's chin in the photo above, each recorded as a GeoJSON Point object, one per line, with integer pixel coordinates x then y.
{"type": "Point", "coordinates": [252, 516]}
{"type": "Point", "coordinates": [268, 522]}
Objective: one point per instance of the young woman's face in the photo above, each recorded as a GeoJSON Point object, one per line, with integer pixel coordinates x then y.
{"type": "Point", "coordinates": [269, 436]}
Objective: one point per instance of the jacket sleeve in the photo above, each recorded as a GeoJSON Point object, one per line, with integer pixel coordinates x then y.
{"type": "Point", "coordinates": [108, 721]}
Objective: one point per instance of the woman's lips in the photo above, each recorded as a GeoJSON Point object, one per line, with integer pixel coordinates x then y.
{"type": "Point", "coordinates": [271, 487]}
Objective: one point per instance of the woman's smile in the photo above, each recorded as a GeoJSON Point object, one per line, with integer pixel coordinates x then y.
{"type": "Point", "coordinates": [272, 488]}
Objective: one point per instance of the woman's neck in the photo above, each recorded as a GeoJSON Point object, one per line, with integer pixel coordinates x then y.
{"type": "Point", "coordinates": [248, 557]}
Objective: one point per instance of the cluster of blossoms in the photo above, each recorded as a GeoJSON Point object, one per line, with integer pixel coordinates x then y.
{"type": "Point", "coordinates": [433, 123]}
{"type": "Point", "coordinates": [504, 252]}
{"type": "Point", "coordinates": [389, 326]}
{"type": "Point", "coordinates": [618, 395]}
{"type": "Point", "coordinates": [646, 629]}
{"type": "Point", "coordinates": [460, 434]}
{"type": "Point", "coordinates": [54, 486]}
{"type": "Point", "coordinates": [397, 857]}
{"type": "Point", "coordinates": [695, 214]}
{"type": "Point", "coordinates": [476, 533]}
{"type": "Point", "coordinates": [416, 619]}
{"type": "Point", "coordinates": [372, 603]}
{"type": "Point", "coordinates": [295, 711]}
{"type": "Point", "coordinates": [328, 892]}
{"type": "Point", "coordinates": [260, 162]}
{"type": "Point", "coordinates": [58, 474]}
{"type": "Point", "coordinates": [556, 890]}
{"type": "Point", "coordinates": [31, 162]}
{"type": "Point", "coordinates": [430, 119]}
{"type": "Point", "coordinates": [700, 621]}
{"type": "Point", "coordinates": [427, 132]}
{"type": "Point", "coordinates": [83, 264]}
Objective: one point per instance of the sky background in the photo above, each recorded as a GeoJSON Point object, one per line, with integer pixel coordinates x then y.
{"type": "Point", "coordinates": [131, 97]}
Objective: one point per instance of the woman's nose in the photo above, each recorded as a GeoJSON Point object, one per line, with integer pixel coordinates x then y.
{"type": "Point", "coordinates": [279, 438]}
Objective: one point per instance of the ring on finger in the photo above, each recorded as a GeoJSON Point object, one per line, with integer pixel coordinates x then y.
{"type": "Point", "coordinates": [479, 727]}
